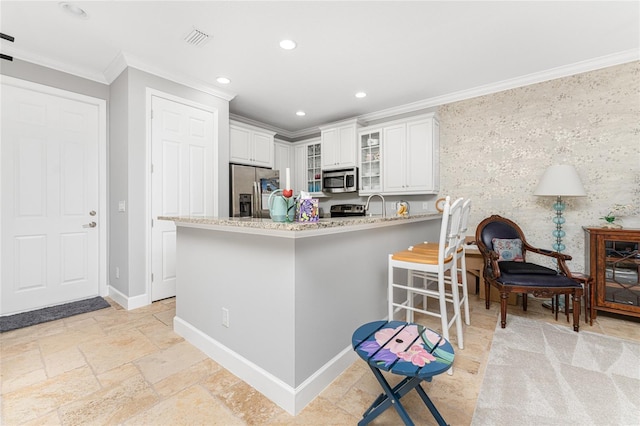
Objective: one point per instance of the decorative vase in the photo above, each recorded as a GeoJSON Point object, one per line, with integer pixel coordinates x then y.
{"type": "Point", "coordinates": [610, 223]}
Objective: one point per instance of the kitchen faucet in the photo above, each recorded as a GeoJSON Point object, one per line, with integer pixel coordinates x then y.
{"type": "Point", "coordinates": [384, 210]}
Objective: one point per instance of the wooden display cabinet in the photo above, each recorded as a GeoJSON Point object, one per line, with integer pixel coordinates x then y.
{"type": "Point", "coordinates": [614, 262]}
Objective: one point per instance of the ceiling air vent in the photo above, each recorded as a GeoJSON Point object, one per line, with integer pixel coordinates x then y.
{"type": "Point", "coordinates": [196, 38]}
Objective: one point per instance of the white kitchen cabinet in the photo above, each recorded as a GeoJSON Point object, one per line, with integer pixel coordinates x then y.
{"type": "Point", "coordinates": [250, 145]}
{"type": "Point", "coordinates": [283, 158]}
{"type": "Point", "coordinates": [307, 168]}
{"type": "Point", "coordinates": [339, 145]}
{"type": "Point", "coordinates": [410, 156]}
{"type": "Point", "coordinates": [369, 159]}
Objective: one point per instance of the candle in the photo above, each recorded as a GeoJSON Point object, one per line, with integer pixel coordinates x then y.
{"type": "Point", "coordinates": [287, 184]}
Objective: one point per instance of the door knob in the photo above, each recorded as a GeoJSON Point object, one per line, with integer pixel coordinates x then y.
{"type": "Point", "coordinates": [89, 225]}
{"type": "Point", "coordinates": [92, 213]}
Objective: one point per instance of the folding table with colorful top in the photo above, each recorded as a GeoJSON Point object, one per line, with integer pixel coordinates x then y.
{"type": "Point", "coordinates": [405, 349]}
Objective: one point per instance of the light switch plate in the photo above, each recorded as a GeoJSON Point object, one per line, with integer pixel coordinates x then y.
{"type": "Point", "coordinates": [122, 206]}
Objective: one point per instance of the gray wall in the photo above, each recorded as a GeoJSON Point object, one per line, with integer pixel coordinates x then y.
{"type": "Point", "coordinates": [129, 237]}
{"type": "Point", "coordinates": [50, 77]}
{"type": "Point", "coordinates": [127, 156]}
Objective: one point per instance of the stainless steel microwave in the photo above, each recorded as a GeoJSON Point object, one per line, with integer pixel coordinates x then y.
{"type": "Point", "coordinates": [340, 180]}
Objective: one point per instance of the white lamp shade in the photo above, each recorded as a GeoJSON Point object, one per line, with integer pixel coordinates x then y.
{"type": "Point", "coordinates": [561, 180]}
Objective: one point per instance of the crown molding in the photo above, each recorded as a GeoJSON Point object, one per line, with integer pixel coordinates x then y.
{"type": "Point", "coordinates": [124, 60]}
{"type": "Point", "coordinates": [81, 72]}
{"type": "Point", "coordinates": [279, 131]}
{"type": "Point", "coordinates": [526, 80]}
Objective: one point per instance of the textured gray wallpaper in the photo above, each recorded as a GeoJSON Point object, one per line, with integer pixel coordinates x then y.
{"type": "Point", "coordinates": [495, 148]}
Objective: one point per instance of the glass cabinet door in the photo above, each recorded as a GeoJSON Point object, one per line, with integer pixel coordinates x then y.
{"type": "Point", "coordinates": [314, 183]}
{"type": "Point", "coordinates": [369, 152]}
{"type": "Point", "coordinates": [621, 280]}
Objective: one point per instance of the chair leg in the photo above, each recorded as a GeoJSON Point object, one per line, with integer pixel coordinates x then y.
{"type": "Point", "coordinates": [455, 294]}
{"type": "Point", "coordinates": [503, 309]}
{"type": "Point", "coordinates": [487, 294]}
{"type": "Point", "coordinates": [465, 291]}
{"type": "Point", "coordinates": [410, 296]}
{"type": "Point", "coordinates": [525, 301]}
{"type": "Point", "coordinates": [576, 311]}
{"type": "Point", "coordinates": [390, 290]}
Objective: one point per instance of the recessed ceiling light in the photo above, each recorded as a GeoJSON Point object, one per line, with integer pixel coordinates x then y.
{"type": "Point", "coordinates": [361, 95]}
{"type": "Point", "coordinates": [73, 10]}
{"type": "Point", "coordinates": [223, 80]}
{"type": "Point", "coordinates": [301, 113]}
{"type": "Point", "coordinates": [288, 44]}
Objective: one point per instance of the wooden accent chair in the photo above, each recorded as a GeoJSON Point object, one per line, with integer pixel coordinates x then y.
{"type": "Point", "coordinates": [503, 247]}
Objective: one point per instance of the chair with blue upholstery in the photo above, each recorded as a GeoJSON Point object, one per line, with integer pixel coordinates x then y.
{"type": "Point", "coordinates": [504, 249]}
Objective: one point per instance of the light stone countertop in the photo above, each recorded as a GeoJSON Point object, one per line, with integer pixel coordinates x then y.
{"type": "Point", "coordinates": [324, 226]}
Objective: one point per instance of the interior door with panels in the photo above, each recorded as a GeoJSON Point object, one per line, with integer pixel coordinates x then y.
{"type": "Point", "coordinates": [182, 181]}
{"type": "Point", "coordinates": [50, 197]}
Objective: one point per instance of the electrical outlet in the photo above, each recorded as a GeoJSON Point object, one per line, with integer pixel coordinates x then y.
{"type": "Point", "coordinates": [425, 206]}
{"type": "Point", "coordinates": [117, 272]}
{"type": "Point", "coordinates": [225, 317]}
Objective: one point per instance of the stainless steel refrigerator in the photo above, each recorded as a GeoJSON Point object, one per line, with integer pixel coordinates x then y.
{"type": "Point", "coordinates": [250, 190]}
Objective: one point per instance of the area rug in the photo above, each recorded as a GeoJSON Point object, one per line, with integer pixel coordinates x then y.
{"type": "Point", "coordinates": [26, 319]}
{"type": "Point", "coordinates": [546, 374]}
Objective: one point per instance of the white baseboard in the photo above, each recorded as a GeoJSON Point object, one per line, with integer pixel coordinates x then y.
{"type": "Point", "coordinates": [291, 399]}
{"type": "Point", "coordinates": [127, 302]}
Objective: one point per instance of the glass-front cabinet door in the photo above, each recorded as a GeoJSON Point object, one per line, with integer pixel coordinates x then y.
{"type": "Point", "coordinates": [314, 183]}
{"type": "Point", "coordinates": [369, 157]}
{"type": "Point", "coordinates": [614, 262]}
{"type": "Point", "coordinates": [621, 267]}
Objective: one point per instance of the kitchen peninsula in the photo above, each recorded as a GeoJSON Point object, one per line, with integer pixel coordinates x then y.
{"type": "Point", "coordinates": [276, 303]}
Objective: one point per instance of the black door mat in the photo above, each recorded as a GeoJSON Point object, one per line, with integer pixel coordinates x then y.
{"type": "Point", "coordinates": [52, 313]}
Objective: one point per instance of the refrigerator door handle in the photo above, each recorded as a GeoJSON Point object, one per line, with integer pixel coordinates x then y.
{"type": "Point", "coordinates": [257, 208]}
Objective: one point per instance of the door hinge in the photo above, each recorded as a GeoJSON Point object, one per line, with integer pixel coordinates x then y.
{"type": "Point", "coordinates": [152, 114]}
{"type": "Point", "coordinates": [152, 168]}
{"type": "Point", "coordinates": [152, 223]}
{"type": "Point", "coordinates": [151, 277]}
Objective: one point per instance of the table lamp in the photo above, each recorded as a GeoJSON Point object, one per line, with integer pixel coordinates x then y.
{"type": "Point", "coordinates": [559, 181]}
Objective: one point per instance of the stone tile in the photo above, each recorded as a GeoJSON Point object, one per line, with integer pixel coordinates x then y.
{"type": "Point", "coordinates": [248, 404]}
{"type": "Point", "coordinates": [160, 365]}
{"type": "Point", "coordinates": [341, 385]}
{"type": "Point", "coordinates": [12, 347]}
{"type": "Point", "coordinates": [319, 412]}
{"type": "Point", "coordinates": [62, 361]}
{"type": "Point", "coordinates": [161, 335]}
{"type": "Point", "coordinates": [192, 406]}
{"type": "Point", "coordinates": [114, 350]}
{"type": "Point", "coordinates": [166, 317]}
{"type": "Point", "coordinates": [50, 419]}
{"type": "Point", "coordinates": [22, 370]}
{"type": "Point", "coordinates": [118, 374]}
{"type": "Point", "coordinates": [72, 337]}
{"type": "Point", "coordinates": [111, 405]}
{"type": "Point", "coordinates": [219, 381]}
{"type": "Point", "coordinates": [31, 402]}
{"type": "Point", "coordinates": [185, 378]}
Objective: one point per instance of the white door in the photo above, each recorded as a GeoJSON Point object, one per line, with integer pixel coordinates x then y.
{"type": "Point", "coordinates": [50, 199]}
{"type": "Point", "coordinates": [182, 181]}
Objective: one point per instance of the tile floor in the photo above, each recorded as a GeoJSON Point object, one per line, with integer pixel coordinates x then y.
{"type": "Point", "coordinates": [128, 367]}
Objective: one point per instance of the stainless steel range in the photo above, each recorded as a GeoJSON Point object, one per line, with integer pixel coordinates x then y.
{"type": "Point", "coordinates": [347, 210]}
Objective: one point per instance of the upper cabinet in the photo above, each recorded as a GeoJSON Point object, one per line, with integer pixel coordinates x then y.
{"type": "Point", "coordinates": [307, 172]}
{"type": "Point", "coordinates": [406, 160]}
{"type": "Point", "coordinates": [250, 145]}
{"type": "Point", "coordinates": [410, 152]}
{"type": "Point", "coordinates": [369, 158]}
{"type": "Point", "coordinates": [339, 145]}
{"type": "Point", "coordinates": [282, 157]}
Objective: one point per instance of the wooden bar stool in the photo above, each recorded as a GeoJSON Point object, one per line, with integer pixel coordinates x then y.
{"type": "Point", "coordinates": [405, 349]}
